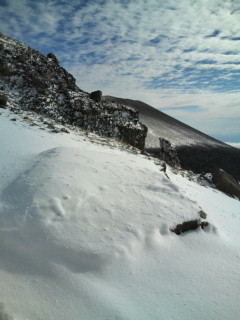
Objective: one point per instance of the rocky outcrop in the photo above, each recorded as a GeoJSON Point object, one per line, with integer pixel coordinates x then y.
{"type": "Point", "coordinates": [32, 81]}
{"type": "Point", "coordinates": [226, 183]}
{"type": "Point", "coordinates": [168, 153]}
{"type": "Point", "coordinates": [96, 95]}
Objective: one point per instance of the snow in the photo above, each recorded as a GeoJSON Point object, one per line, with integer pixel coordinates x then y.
{"type": "Point", "coordinates": [234, 144]}
{"type": "Point", "coordinates": [85, 233]}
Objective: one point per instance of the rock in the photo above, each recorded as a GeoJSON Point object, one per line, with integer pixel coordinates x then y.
{"type": "Point", "coordinates": [226, 183]}
{"type": "Point", "coordinates": [52, 57]}
{"type": "Point", "coordinates": [202, 214]}
{"type": "Point", "coordinates": [189, 225]}
{"type": "Point", "coordinates": [44, 87]}
{"type": "Point", "coordinates": [96, 95]}
{"type": "Point", "coordinates": [204, 224]}
{"type": "Point", "coordinates": [168, 153]}
{"type": "Point", "coordinates": [64, 130]}
{"type": "Point", "coordinates": [186, 226]}
{"type": "Point", "coordinates": [5, 68]}
{"type": "Point", "coordinates": [3, 101]}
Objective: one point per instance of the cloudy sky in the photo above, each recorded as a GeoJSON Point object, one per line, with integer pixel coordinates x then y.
{"type": "Point", "coordinates": [182, 57]}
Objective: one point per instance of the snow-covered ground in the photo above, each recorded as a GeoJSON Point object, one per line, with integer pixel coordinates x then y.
{"type": "Point", "coordinates": [84, 233]}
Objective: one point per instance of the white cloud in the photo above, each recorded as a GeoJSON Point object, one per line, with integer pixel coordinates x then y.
{"type": "Point", "coordinates": [141, 49]}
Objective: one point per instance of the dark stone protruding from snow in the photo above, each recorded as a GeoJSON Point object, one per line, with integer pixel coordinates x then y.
{"type": "Point", "coordinates": [226, 183]}
{"type": "Point", "coordinates": [3, 101]}
{"type": "Point", "coordinates": [168, 153]}
{"type": "Point", "coordinates": [189, 225]}
{"type": "Point", "coordinates": [203, 214]}
{"type": "Point", "coordinates": [96, 95]}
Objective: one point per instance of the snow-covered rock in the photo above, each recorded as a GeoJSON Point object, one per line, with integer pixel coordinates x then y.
{"type": "Point", "coordinates": [32, 81]}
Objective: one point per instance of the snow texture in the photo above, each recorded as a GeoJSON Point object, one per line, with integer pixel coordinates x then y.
{"type": "Point", "coordinates": [85, 232]}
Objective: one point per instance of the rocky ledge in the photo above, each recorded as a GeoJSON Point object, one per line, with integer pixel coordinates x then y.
{"type": "Point", "coordinates": [32, 81]}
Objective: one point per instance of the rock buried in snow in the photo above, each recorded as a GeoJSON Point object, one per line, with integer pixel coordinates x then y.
{"type": "Point", "coordinates": [202, 214]}
{"type": "Point", "coordinates": [189, 225]}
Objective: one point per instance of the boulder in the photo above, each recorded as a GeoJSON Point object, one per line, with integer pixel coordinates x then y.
{"type": "Point", "coordinates": [226, 183]}
{"type": "Point", "coordinates": [3, 101]}
{"type": "Point", "coordinates": [189, 225]}
{"type": "Point", "coordinates": [52, 57]}
{"type": "Point", "coordinates": [168, 153]}
{"type": "Point", "coordinates": [96, 95]}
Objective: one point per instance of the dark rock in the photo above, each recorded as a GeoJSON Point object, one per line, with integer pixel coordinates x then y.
{"type": "Point", "coordinates": [3, 101]}
{"type": "Point", "coordinates": [203, 214]}
{"type": "Point", "coordinates": [168, 153]}
{"type": "Point", "coordinates": [49, 90]}
{"type": "Point", "coordinates": [204, 224]}
{"type": "Point", "coordinates": [200, 159]}
{"type": "Point", "coordinates": [96, 95]}
{"type": "Point", "coordinates": [64, 130]}
{"type": "Point", "coordinates": [186, 226]}
{"type": "Point", "coordinates": [52, 57]}
{"type": "Point", "coordinates": [5, 68]}
{"type": "Point", "coordinates": [226, 183]}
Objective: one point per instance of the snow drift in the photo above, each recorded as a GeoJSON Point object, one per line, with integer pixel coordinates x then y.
{"type": "Point", "coordinates": [85, 233]}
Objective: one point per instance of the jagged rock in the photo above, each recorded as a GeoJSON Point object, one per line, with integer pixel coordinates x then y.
{"type": "Point", "coordinates": [189, 225]}
{"type": "Point", "coordinates": [96, 95]}
{"type": "Point", "coordinates": [52, 57]}
{"type": "Point", "coordinates": [46, 88]}
{"type": "Point", "coordinates": [226, 183]}
{"type": "Point", "coordinates": [168, 153]}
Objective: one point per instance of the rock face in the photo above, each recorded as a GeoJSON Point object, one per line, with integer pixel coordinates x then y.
{"type": "Point", "coordinates": [226, 183]}
{"type": "Point", "coordinates": [168, 153]}
{"type": "Point", "coordinates": [32, 81]}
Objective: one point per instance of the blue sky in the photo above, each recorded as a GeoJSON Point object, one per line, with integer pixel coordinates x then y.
{"type": "Point", "coordinates": [180, 56]}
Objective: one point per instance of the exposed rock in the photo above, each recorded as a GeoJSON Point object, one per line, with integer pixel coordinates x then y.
{"type": "Point", "coordinates": [32, 81]}
{"type": "Point", "coordinates": [203, 214]}
{"type": "Point", "coordinates": [96, 95]}
{"type": "Point", "coordinates": [3, 101]}
{"type": "Point", "coordinates": [189, 225]}
{"type": "Point", "coordinates": [52, 57]}
{"type": "Point", "coordinates": [168, 153]}
{"type": "Point", "coordinates": [226, 183]}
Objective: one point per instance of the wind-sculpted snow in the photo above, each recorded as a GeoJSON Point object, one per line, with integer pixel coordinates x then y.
{"type": "Point", "coordinates": [85, 233]}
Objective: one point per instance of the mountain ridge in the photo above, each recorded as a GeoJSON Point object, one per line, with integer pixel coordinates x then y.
{"type": "Point", "coordinates": [32, 81]}
{"type": "Point", "coordinates": [196, 150]}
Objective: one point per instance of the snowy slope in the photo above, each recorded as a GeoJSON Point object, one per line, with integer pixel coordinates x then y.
{"type": "Point", "coordinates": [84, 233]}
{"type": "Point", "coordinates": [162, 125]}
{"type": "Point", "coordinates": [196, 151]}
